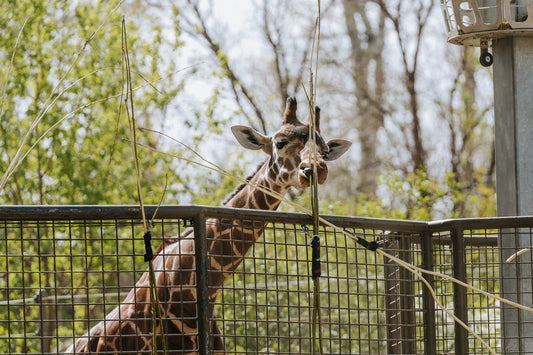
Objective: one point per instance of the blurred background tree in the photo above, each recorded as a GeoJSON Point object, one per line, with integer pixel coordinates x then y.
{"type": "Point", "coordinates": [215, 64]}
{"type": "Point", "coordinates": [84, 160]}
{"type": "Point", "coordinates": [415, 107]}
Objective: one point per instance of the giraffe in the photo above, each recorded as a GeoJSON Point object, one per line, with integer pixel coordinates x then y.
{"type": "Point", "coordinates": [128, 327]}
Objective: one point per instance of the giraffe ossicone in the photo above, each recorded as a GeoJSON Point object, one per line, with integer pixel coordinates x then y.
{"type": "Point", "coordinates": [289, 164]}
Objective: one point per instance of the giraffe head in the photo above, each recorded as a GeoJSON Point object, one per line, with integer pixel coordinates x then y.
{"type": "Point", "coordinates": [291, 163]}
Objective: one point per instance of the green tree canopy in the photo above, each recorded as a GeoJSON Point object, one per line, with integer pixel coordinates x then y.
{"type": "Point", "coordinates": [62, 62]}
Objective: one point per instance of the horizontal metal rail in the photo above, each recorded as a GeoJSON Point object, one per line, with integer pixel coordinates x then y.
{"type": "Point", "coordinates": [374, 306]}
{"type": "Point", "coordinates": [88, 212]}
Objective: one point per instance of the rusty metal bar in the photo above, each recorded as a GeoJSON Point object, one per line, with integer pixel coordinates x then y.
{"type": "Point", "coordinates": [190, 211]}
{"type": "Point", "coordinates": [399, 300]}
{"type": "Point", "coordinates": [392, 301]}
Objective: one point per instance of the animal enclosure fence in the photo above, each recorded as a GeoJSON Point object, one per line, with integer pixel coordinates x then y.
{"type": "Point", "coordinates": [62, 269]}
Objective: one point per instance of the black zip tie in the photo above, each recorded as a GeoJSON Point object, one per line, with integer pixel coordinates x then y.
{"type": "Point", "coordinates": [314, 242]}
{"type": "Point", "coordinates": [316, 269]}
{"type": "Point", "coordinates": [373, 245]}
{"type": "Point", "coordinates": [149, 254]}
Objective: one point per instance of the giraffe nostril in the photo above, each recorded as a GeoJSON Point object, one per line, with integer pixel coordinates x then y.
{"type": "Point", "coordinates": [308, 172]}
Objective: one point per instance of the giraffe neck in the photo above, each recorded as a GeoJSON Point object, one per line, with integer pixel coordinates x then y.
{"type": "Point", "coordinates": [248, 196]}
{"type": "Point", "coordinates": [232, 239]}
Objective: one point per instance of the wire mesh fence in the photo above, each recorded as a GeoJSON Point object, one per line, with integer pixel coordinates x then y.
{"type": "Point", "coordinates": [63, 269]}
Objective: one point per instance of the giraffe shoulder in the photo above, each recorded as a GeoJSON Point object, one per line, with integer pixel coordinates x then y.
{"type": "Point", "coordinates": [169, 240]}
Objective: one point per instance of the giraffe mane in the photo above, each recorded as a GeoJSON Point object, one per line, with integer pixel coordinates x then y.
{"type": "Point", "coordinates": [168, 239]}
{"type": "Point", "coordinates": [242, 185]}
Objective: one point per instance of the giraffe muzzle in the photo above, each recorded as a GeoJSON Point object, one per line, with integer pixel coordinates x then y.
{"type": "Point", "coordinates": [306, 173]}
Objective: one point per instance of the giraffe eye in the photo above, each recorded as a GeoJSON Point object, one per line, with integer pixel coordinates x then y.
{"type": "Point", "coordinates": [280, 145]}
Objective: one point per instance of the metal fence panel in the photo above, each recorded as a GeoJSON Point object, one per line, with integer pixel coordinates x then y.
{"type": "Point", "coordinates": [63, 269]}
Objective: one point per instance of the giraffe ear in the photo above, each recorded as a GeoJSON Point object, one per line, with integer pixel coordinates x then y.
{"type": "Point", "coordinates": [251, 139]}
{"type": "Point", "coordinates": [337, 147]}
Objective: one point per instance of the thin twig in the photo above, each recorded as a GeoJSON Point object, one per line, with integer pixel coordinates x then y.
{"type": "Point", "coordinates": [154, 299]}
{"type": "Point", "coordinates": [130, 112]}
{"type": "Point", "coordinates": [50, 102]}
{"type": "Point", "coordinates": [517, 254]}
{"type": "Point", "coordinates": [160, 200]}
{"type": "Point", "coordinates": [316, 325]}
{"type": "Point", "coordinates": [10, 66]}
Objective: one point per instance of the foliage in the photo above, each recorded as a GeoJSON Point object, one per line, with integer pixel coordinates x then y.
{"type": "Point", "coordinates": [421, 196]}
{"type": "Point", "coordinates": [417, 196]}
{"type": "Point", "coordinates": [213, 188]}
{"type": "Point", "coordinates": [85, 158]}
{"type": "Point", "coordinates": [65, 69]}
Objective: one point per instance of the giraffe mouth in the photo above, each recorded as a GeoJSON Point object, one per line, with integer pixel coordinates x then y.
{"type": "Point", "coordinates": [304, 181]}
{"type": "Point", "coordinates": [305, 175]}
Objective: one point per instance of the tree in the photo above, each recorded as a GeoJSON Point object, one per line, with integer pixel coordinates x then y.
{"type": "Point", "coordinates": [471, 145]}
{"type": "Point", "coordinates": [84, 159]}
{"type": "Point", "coordinates": [61, 74]}
{"type": "Point", "coordinates": [258, 87]}
{"type": "Point", "coordinates": [376, 81]}
{"type": "Point", "coordinates": [366, 32]}
{"type": "Point", "coordinates": [403, 18]}
{"type": "Point", "coordinates": [382, 103]}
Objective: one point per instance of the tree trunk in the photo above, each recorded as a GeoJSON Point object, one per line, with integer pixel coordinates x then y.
{"type": "Point", "coordinates": [368, 75]}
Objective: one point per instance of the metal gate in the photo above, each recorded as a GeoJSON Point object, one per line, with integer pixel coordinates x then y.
{"type": "Point", "coordinates": [63, 268]}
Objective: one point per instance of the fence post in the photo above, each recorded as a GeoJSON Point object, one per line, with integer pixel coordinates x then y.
{"type": "Point", "coordinates": [407, 299]}
{"type": "Point", "coordinates": [399, 300]}
{"type": "Point", "coordinates": [430, 333]}
{"type": "Point", "coordinates": [391, 302]}
{"type": "Point", "coordinates": [459, 292]}
{"type": "Point", "coordinates": [202, 286]}
{"type": "Point", "coordinates": [515, 285]}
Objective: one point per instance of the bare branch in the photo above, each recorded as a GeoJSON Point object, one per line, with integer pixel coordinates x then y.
{"type": "Point", "coordinates": [421, 15]}
{"type": "Point", "coordinates": [279, 55]}
{"type": "Point", "coordinates": [237, 85]}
